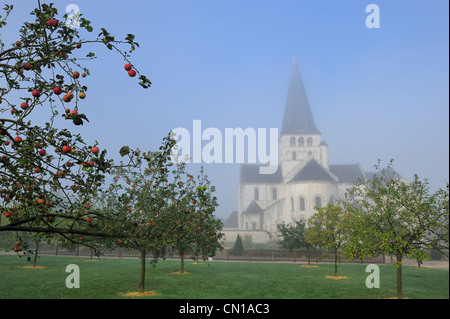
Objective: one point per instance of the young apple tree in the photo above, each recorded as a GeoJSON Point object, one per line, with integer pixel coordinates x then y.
{"type": "Point", "coordinates": [328, 229]}
{"type": "Point", "coordinates": [200, 233]}
{"type": "Point", "coordinates": [293, 237]}
{"type": "Point", "coordinates": [394, 216]}
{"type": "Point", "coordinates": [153, 202]}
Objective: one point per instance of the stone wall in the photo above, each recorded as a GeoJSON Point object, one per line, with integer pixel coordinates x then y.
{"type": "Point", "coordinates": [258, 236]}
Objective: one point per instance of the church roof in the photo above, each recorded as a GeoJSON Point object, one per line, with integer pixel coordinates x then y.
{"type": "Point", "coordinates": [313, 171]}
{"type": "Point", "coordinates": [253, 208]}
{"type": "Point", "coordinates": [350, 173]}
{"type": "Point", "coordinates": [390, 172]}
{"type": "Point", "coordinates": [232, 220]}
{"type": "Point", "coordinates": [298, 118]}
{"type": "Point", "coordinates": [347, 173]}
{"type": "Point", "coordinates": [250, 174]}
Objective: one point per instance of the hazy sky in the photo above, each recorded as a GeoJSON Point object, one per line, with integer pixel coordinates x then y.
{"type": "Point", "coordinates": [374, 93]}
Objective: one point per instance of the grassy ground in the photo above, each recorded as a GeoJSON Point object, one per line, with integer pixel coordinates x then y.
{"type": "Point", "coordinates": [110, 278]}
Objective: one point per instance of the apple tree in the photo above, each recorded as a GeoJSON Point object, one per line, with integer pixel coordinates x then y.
{"type": "Point", "coordinates": [293, 237]}
{"type": "Point", "coordinates": [49, 176]}
{"type": "Point", "coordinates": [396, 217]}
{"type": "Point", "coordinates": [328, 229]}
{"type": "Point", "coordinates": [154, 202]}
{"type": "Point", "coordinates": [199, 233]}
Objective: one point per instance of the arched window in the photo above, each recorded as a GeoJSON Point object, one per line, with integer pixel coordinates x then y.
{"type": "Point", "coordinates": [318, 202]}
{"type": "Point", "coordinates": [302, 204]}
{"type": "Point", "coordinates": [256, 193]}
{"type": "Point", "coordinates": [292, 141]}
{"type": "Point", "coordinates": [309, 141]}
{"type": "Point", "coordinates": [274, 193]}
{"type": "Point", "coordinates": [301, 141]}
{"type": "Point", "coordinates": [294, 155]}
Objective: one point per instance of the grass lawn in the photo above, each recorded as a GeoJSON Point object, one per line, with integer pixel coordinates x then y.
{"type": "Point", "coordinates": [109, 278]}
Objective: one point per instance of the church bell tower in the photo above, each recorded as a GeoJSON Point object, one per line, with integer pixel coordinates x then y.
{"type": "Point", "coordinates": [299, 137]}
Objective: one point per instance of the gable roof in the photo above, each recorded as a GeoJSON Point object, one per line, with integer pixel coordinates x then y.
{"type": "Point", "coordinates": [347, 173]}
{"type": "Point", "coordinates": [390, 172]}
{"type": "Point", "coordinates": [253, 208]}
{"type": "Point", "coordinates": [232, 220]}
{"type": "Point", "coordinates": [313, 171]}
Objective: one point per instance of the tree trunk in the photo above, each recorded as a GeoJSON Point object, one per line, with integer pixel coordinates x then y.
{"type": "Point", "coordinates": [335, 263]}
{"type": "Point", "coordinates": [399, 277]}
{"type": "Point", "coordinates": [36, 251]}
{"type": "Point", "coordinates": [142, 282]}
{"type": "Point", "coordinates": [182, 264]}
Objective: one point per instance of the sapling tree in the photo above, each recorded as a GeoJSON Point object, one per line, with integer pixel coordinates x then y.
{"type": "Point", "coordinates": [155, 203]}
{"type": "Point", "coordinates": [200, 233]}
{"type": "Point", "coordinates": [328, 229]}
{"type": "Point", "coordinates": [393, 216]}
{"type": "Point", "coordinates": [292, 236]}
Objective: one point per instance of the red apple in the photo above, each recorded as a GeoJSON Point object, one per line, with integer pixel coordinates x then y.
{"type": "Point", "coordinates": [66, 98]}
{"type": "Point", "coordinates": [40, 201]}
{"type": "Point", "coordinates": [27, 66]}
{"type": "Point", "coordinates": [66, 149]}
{"type": "Point", "coordinates": [24, 105]}
{"type": "Point", "coordinates": [37, 170]}
{"type": "Point", "coordinates": [76, 75]}
{"type": "Point", "coordinates": [132, 73]}
{"type": "Point", "coordinates": [8, 214]}
{"type": "Point", "coordinates": [52, 22]}
{"type": "Point", "coordinates": [95, 150]}
{"type": "Point", "coordinates": [18, 139]}
{"type": "Point", "coordinates": [36, 93]}
{"type": "Point", "coordinates": [88, 164]}
{"type": "Point", "coordinates": [42, 152]}
{"type": "Point", "coordinates": [74, 112]}
{"type": "Point", "coordinates": [89, 219]}
{"type": "Point", "coordinates": [57, 90]}
{"type": "Point", "coordinates": [127, 67]}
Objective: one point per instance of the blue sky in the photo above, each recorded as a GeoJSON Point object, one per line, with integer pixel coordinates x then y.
{"type": "Point", "coordinates": [374, 93]}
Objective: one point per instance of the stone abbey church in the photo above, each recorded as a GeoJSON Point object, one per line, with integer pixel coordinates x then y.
{"type": "Point", "coordinates": [305, 179]}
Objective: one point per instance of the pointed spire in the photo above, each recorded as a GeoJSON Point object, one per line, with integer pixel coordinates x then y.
{"type": "Point", "coordinates": [298, 118]}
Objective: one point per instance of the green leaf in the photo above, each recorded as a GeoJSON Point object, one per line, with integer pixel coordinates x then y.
{"type": "Point", "coordinates": [124, 151]}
